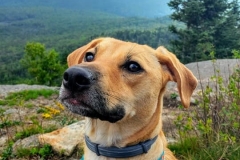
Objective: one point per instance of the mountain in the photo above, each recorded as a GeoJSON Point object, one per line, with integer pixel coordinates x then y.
{"type": "Point", "coordinates": [66, 25]}
{"type": "Point", "coordinates": [126, 8]}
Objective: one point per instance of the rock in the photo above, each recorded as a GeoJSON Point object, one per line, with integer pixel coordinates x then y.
{"type": "Point", "coordinates": [171, 141]}
{"type": "Point", "coordinates": [14, 111]}
{"type": "Point", "coordinates": [66, 139]}
{"type": "Point", "coordinates": [3, 142]}
{"type": "Point", "coordinates": [26, 143]}
{"type": "Point", "coordinates": [204, 70]}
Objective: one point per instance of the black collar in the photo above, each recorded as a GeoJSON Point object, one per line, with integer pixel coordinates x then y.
{"type": "Point", "coordinates": [114, 152]}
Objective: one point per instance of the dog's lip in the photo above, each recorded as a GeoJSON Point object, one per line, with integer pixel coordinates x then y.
{"type": "Point", "coordinates": [72, 101]}
{"type": "Point", "coordinates": [75, 102]}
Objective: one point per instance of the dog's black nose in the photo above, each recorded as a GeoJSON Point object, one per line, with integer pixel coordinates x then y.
{"type": "Point", "coordinates": [77, 78]}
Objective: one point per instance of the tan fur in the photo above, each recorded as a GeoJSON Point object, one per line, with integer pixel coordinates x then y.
{"type": "Point", "coordinates": [141, 94]}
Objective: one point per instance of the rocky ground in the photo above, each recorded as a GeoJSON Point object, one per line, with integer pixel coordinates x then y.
{"type": "Point", "coordinates": [202, 70]}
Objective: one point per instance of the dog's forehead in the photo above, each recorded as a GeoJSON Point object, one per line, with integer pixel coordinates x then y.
{"type": "Point", "coordinates": [114, 45]}
{"type": "Point", "coordinates": [117, 49]}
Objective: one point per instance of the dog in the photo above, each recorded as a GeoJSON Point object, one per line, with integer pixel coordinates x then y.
{"type": "Point", "coordinates": [118, 87]}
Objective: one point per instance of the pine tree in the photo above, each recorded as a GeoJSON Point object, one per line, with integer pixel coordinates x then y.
{"type": "Point", "coordinates": [205, 21]}
{"type": "Point", "coordinates": [228, 33]}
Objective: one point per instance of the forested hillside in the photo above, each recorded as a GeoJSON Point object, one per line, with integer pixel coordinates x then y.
{"type": "Point", "coordinates": [57, 26]}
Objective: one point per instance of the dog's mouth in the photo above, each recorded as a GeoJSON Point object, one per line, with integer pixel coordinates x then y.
{"type": "Point", "coordinates": [75, 105]}
{"type": "Point", "coordinates": [92, 107]}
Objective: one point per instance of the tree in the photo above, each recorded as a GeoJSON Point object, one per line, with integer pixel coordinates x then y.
{"type": "Point", "coordinates": [228, 32]}
{"type": "Point", "coordinates": [44, 66]}
{"type": "Point", "coordinates": [205, 21]}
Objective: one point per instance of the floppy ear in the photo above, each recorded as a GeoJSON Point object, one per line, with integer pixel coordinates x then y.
{"type": "Point", "coordinates": [76, 56]}
{"type": "Point", "coordinates": [176, 71]}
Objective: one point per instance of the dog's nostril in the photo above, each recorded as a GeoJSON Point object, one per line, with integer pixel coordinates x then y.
{"type": "Point", "coordinates": [82, 80]}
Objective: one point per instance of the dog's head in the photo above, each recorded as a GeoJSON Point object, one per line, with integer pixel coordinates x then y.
{"type": "Point", "coordinates": [114, 80]}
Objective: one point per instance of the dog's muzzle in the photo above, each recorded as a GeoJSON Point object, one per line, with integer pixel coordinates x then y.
{"type": "Point", "coordinates": [81, 93]}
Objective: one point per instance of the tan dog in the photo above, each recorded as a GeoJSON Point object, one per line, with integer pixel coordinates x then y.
{"type": "Point", "coordinates": [118, 86]}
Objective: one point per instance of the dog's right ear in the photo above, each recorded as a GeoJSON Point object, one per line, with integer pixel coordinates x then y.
{"type": "Point", "coordinates": [77, 56]}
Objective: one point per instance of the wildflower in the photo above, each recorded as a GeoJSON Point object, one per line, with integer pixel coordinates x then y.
{"type": "Point", "coordinates": [60, 105]}
{"type": "Point", "coordinates": [46, 115]}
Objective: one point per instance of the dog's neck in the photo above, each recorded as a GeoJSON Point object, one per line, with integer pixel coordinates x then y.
{"type": "Point", "coordinates": [121, 134]}
{"type": "Point", "coordinates": [103, 133]}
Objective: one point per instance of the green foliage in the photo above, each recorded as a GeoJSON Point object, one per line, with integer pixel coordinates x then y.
{"type": "Point", "coordinates": [194, 149]}
{"type": "Point", "coordinates": [44, 66]}
{"type": "Point", "coordinates": [28, 105]}
{"type": "Point", "coordinates": [43, 152]}
{"type": "Point", "coordinates": [16, 98]}
{"type": "Point", "coordinates": [28, 132]}
{"type": "Point", "coordinates": [210, 25]}
{"type": "Point", "coordinates": [8, 123]}
{"type": "Point", "coordinates": [31, 94]}
{"type": "Point", "coordinates": [215, 122]}
{"type": "Point", "coordinates": [154, 38]}
{"type": "Point", "coordinates": [33, 129]}
{"type": "Point", "coordinates": [41, 110]}
{"type": "Point", "coordinates": [236, 54]}
{"type": "Point", "coordinates": [173, 95]}
{"type": "Point", "coordinates": [186, 146]}
{"type": "Point", "coordinates": [7, 152]}
{"type": "Point", "coordinates": [66, 120]}
{"type": "Point", "coordinates": [80, 152]}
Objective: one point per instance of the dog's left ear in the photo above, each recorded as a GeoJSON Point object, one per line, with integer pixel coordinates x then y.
{"type": "Point", "coordinates": [76, 56]}
{"type": "Point", "coordinates": [176, 71]}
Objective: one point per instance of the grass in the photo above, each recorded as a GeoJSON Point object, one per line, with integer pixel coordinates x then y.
{"type": "Point", "coordinates": [9, 123]}
{"type": "Point", "coordinates": [195, 149]}
{"type": "Point", "coordinates": [26, 95]}
{"type": "Point", "coordinates": [32, 130]}
{"type": "Point", "coordinates": [43, 152]}
{"type": "Point", "coordinates": [7, 152]}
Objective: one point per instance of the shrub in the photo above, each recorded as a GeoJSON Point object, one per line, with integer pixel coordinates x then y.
{"type": "Point", "coordinates": [43, 66]}
{"type": "Point", "coordinates": [215, 122]}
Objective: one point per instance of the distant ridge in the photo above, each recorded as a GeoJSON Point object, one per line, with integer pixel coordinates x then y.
{"type": "Point", "coordinates": [126, 8]}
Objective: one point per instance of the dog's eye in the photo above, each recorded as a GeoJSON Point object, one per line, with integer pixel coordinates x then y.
{"type": "Point", "coordinates": [133, 67]}
{"type": "Point", "coordinates": [89, 57]}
